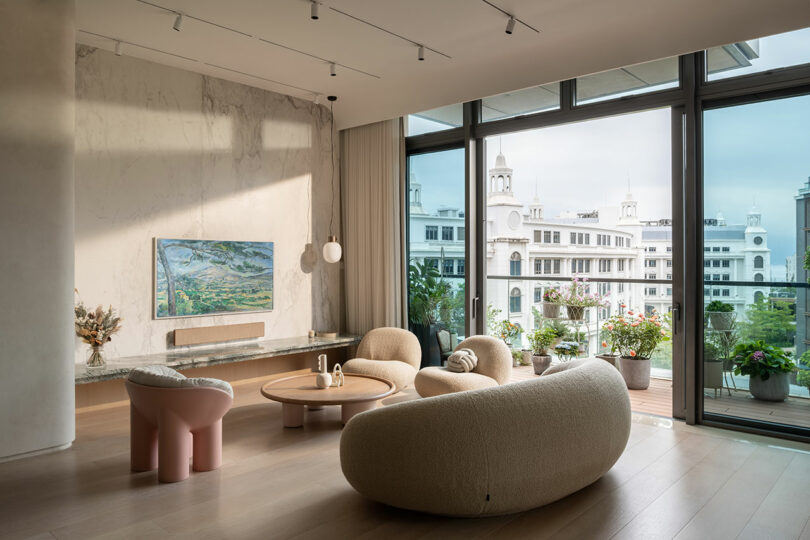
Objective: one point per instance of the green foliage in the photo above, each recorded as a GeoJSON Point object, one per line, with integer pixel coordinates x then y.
{"type": "Point", "coordinates": [508, 331]}
{"type": "Point", "coordinates": [711, 351]}
{"type": "Point", "coordinates": [716, 306]}
{"type": "Point", "coordinates": [772, 322]}
{"type": "Point", "coordinates": [559, 328]}
{"type": "Point", "coordinates": [807, 262]}
{"type": "Point", "coordinates": [541, 339]}
{"type": "Point", "coordinates": [758, 359]}
{"type": "Point", "coordinates": [426, 289]}
{"type": "Point", "coordinates": [451, 309]}
{"type": "Point", "coordinates": [803, 378]}
{"type": "Point", "coordinates": [492, 319]}
{"type": "Point", "coordinates": [636, 335]}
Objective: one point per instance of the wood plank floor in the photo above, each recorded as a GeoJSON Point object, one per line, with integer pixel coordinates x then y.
{"type": "Point", "coordinates": [672, 481]}
{"type": "Point", "coordinates": [657, 399]}
{"type": "Point", "coordinates": [793, 411]}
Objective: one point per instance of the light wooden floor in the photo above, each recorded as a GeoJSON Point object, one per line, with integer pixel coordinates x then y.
{"type": "Point", "coordinates": [672, 481]}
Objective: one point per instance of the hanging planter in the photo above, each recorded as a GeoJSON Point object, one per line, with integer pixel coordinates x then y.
{"type": "Point", "coordinates": [575, 313]}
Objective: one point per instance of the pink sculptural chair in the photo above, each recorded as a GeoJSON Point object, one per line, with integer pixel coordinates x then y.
{"type": "Point", "coordinates": [173, 418]}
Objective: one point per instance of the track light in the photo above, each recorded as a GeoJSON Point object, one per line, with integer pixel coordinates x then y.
{"type": "Point", "coordinates": [421, 52]}
{"type": "Point", "coordinates": [178, 22]}
{"type": "Point", "coordinates": [332, 69]}
{"type": "Point", "coordinates": [510, 25]}
{"type": "Point", "coordinates": [117, 48]}
{"type": "Point", "coordinates": [314, 10]}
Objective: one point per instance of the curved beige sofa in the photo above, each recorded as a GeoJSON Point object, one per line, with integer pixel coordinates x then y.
{"type": "Point", "coordinates": [494, 368]}
{"type": "Point", "coordinates": [492, 451]}
{"type": "Point", "coordinates": [391, 353]}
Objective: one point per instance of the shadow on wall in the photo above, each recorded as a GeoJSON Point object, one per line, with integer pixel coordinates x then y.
{"type": "Point", "coordinates": [163, 152]}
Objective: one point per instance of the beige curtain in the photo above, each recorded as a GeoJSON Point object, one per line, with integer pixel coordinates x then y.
{"type": "Point", "coordinates": [372, 189]}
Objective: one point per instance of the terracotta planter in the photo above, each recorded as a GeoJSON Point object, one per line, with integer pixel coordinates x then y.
{"type": "Point", "coordinates": [551, 311]}
{"type": "Point", "coordinates": [776, 388]}
{"type": "Point", "coordinates": [609, 358]}
{"type": "Point", "coordinates": [575, 313]}
{"type": "Point", "coordinates": [636, 372]}
{"type": "Point", "coordinates": [722, 320]}
{"type": "Point", "coordinates": [541, 363]}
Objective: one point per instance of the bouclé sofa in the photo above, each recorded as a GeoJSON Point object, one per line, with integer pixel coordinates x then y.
{"type": "Point", "coordinates": [492, 451]}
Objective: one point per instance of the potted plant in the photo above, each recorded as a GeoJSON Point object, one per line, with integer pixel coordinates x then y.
{"type": "Point", "coordinates": [712, 365]}
{"type": "Point", "coordinates": [541, 340]}
{"type": "Point", "coordinates": [551, 305]}
{"type": "Point", "coordinates": [426, 290]}
{"type": "Point", "coordinates": [611, 356]}
{"type": "Point", "coordinates": [566, 350]}
{"type": "Point", "coordinates": [721, 315]}
{"type": "Point", "coordinates": [767, 368]}
{"type": "Point", "coordinates": [576, 299]}
{"type": "Point", "coordinates": [580, 338]}
{"type": "Point", "coordinates": [558, 329]}
{"type": "Point", "coordinates": [635, 336]}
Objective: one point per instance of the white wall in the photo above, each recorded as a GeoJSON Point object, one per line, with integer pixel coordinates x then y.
{"type": "Point", "coordinates": [36, 220]}
{"type": "Point", "coordinates": [162, 152]}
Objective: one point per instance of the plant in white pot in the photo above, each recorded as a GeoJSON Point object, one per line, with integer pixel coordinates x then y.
{"type": "Point", "coordinates": [576, 299]}
{"type": "Point", "coordinates": [635, 336]}
{"type": "Point", "coordinates": [541, 340]}
{"type": "Point", "coordinates": [767, 368]}
{"type": "Point", "coordinates": [721, 315]}
{"type": "Point", "coordinates": [712, 365]}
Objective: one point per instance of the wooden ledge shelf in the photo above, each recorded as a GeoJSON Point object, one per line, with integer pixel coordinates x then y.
{"type": "Point", "coordinates": [119, 368]}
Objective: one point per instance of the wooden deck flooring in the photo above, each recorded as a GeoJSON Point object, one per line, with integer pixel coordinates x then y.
{"type": "Point", "coordinates": [657, 400]}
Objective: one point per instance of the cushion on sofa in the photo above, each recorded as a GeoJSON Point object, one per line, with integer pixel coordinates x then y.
{"type": "Point", "coordinates": [166, 377]}
{"type": "Point", "coordinates": [435, 381]}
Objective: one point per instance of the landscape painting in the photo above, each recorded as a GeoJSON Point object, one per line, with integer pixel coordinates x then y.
{"type": "Point", "coordinates": [207, 277]}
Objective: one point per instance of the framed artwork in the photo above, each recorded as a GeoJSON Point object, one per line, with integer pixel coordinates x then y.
{"type": "Point", "coordinates": [193, 278]}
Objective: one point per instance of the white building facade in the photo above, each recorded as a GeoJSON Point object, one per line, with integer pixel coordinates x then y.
{"type": "Point", "coordinates": [525, 247]}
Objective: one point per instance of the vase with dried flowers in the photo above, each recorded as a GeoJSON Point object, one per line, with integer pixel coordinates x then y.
{"type": "Point", "coordinates": [96, 327]}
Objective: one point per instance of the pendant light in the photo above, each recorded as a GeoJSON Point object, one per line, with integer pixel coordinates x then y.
{"type": "Point", "coordinates": [332, 251]}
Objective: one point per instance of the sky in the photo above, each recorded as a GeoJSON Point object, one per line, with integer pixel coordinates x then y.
{"type": "Point", "coordinates": [758, 153]}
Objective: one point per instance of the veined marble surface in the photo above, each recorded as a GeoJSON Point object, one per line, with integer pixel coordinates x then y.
{"type": "Point", "coordinates": [211, 356]}
{"type": "Point", "coordinates": [167, 153]}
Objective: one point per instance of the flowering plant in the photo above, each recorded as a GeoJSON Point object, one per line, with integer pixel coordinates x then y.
{"type": "Point", "coordinates": [541, 339]}
{"type": "Point", "coordinates": [508, 331]}
{"type": "Point", "coordinates": [567, 350]}
{"type": "Point", "coordinates": [551, 295]}
{"type": "Point", "coordinates": [635, 335]}
{"type": "Point", "coordinates": [576, 295]}
{"type": "Point", "coordinates": [96, 327]}
{"type": "Point", "coordinates": [758, 359]}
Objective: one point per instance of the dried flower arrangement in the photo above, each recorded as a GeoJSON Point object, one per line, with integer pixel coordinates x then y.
{"type": "Point", "coordinates": [96, 327]}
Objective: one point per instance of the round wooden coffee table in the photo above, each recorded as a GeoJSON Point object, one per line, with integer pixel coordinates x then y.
{"type": "Point", "coordinates": [359, 393]}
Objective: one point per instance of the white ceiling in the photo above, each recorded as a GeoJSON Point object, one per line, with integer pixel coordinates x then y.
{"type": "Point", "coordinates": [577, 37]}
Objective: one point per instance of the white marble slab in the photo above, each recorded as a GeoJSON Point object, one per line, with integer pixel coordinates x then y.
{"type": "Point", "coordinates": [119, 368]}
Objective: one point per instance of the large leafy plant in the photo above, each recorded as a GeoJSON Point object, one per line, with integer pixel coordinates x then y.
{"type": "Point", "coordinates": [758, 359]}
{"type": "Point", "coordinates": [541, 339]}
{"type": "Point", "coordinates": [716, 306]}
{"type": "Point", "coordinates": [636, 335]}
{"type": "Point", "coordinates": [426, 289]}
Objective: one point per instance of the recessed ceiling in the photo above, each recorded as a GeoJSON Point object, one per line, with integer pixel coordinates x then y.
{"type": "Point", "coordinates": [275, 45]}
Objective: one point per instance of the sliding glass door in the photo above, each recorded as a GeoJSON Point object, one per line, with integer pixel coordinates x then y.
{"type": "Point", "coordinates": [437, 254]}
{"type": "Point", "coordinates": [756, 235]}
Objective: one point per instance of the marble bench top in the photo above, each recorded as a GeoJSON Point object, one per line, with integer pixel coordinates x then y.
{"type": "Point", "coordinates": [119, 368]}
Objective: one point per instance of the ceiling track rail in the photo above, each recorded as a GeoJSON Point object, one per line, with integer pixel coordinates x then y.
{"type": "Point", "coordinates": [511, 16]}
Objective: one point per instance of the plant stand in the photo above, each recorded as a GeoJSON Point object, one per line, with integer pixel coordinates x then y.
{"type": "Point", "coordinates": [725, 338]}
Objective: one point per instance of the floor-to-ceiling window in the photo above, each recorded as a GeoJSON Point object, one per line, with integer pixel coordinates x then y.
{"type": "Point", "coordinates": [755, 251]}
{"type": "Point", "coordinates": [436, 249]}
{"type": "Point", "coordinates": [514, 241]}
{"type": "Point", "coordinates": [590, 200]}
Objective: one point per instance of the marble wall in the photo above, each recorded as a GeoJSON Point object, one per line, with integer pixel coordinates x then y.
{"type": "Point", "coordinates": [167, 153]}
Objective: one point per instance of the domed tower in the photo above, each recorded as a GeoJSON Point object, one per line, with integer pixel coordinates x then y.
{"type": "Point", "coordinates": [629, 215]}
{"type": "Point", "coordinates": [415, 196]}
{"type": "Point", "coordinates": [536, 209]}
{"type": "Point", "coordinates": [757, 253]}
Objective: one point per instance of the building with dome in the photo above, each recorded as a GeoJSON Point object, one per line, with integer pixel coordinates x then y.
{"type": "Point", "coordinates": [525, 248]}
